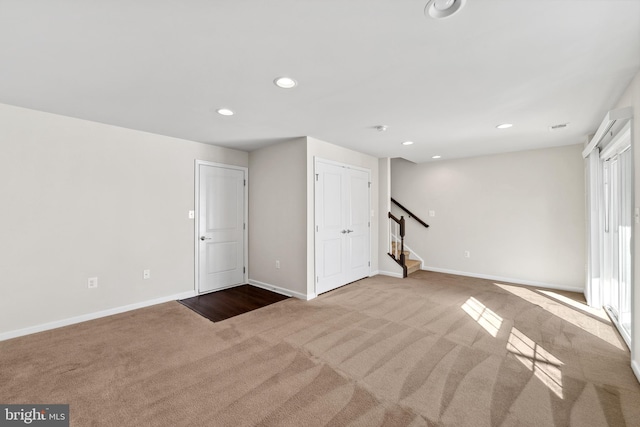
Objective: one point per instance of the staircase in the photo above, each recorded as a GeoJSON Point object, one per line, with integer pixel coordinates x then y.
{"type": "Point", "coordinates": [413, 265]}
{"type": "Point", "coordinates": [396, 239]}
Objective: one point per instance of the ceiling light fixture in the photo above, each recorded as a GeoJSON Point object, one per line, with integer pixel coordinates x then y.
{"type": "Point", "coordinates": [225, 112]}
{"type": "Point", "coordinates": [436, 157]}
{"type": "Point", "coordinates": [440, 9]}
{"type": "Point", "coordinates": [559, 126]}
{"type": "Point", "coordinates": [285, 82]}
{"type": "Point", "coordinates": [407, 143]}
{"type": "Point", "coordinates": [381, 128]}
{"type": "Point", "coordinates": [504, 126]}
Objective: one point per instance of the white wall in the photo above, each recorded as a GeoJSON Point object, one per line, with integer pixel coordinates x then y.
{"type": "Point", "coordinates": [520, 215]}
{"type": "Point", "coordinates": [631, 97]}
{"type": "Point", "coordinates": [386, 265]}
{"type": "Point", "coordinates": [82, 199]}
{"type": "Point", "coordinates": [278, 216]}
{"type": "Point", "coordinates": [327, 151]}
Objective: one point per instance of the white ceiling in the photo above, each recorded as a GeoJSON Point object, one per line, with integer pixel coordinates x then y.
{"type": "Point", "coordinates": [165, 66]}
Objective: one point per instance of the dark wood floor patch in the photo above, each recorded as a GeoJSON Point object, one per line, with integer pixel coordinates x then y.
{"type": "Point", "coordinates": [220, 305]}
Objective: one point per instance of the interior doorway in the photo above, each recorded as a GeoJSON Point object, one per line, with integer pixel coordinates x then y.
{"type": "Point", "coordinates": [221, 226]}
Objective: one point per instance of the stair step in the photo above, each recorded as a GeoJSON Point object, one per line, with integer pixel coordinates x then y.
{"type": "Point", "coordinates": [413, 265]}
{"type": "Point", "coordinates": [393, 250]}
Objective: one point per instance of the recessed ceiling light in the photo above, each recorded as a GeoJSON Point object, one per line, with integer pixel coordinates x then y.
{"type": "Point", "coordinates": [225, 112]}
{"type": "Point", "coordinates": [443, 4]}
{"type": "Point", "coordinates": [407, 143]}
{"type": "Point", "coordinates": [436, 157]}
{"type": "Point", "coordinates": [504, 126]}
{"type": "Point", "coordinates": [443, 8]}
{"type": "Point", "coordinates": [285, 82]}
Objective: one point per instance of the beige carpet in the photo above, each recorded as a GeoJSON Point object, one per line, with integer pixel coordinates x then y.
{"type": "Point", "coordinates": [432, 349]}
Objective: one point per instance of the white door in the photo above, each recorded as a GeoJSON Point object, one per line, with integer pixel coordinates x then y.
{"type": "Point", "coordinates": [617, 176]}
{"type": "Point", "coordinates": [342, 225]}
{"type": "Point", "coordinates": [358, 223]}
{"type": "Point", "coordinates": [221, 227]}
{"type": "Point", "coordinates": [616, 230]}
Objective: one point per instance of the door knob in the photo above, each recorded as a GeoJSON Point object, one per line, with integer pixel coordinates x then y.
{"type": "Point", "coordinates": [349, 231]}
{"type": "Point", "coordinates": [205, 238]}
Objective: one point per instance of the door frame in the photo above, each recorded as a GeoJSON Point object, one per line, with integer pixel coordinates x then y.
{"type": "Point", "coordinates": [317, 159]}
{"type": "Point", "coordinates": [598, 264]}
{"type": "Point", "coordinates": [620, 144]}
{"type": "Point", "coordinates": [196, 227]}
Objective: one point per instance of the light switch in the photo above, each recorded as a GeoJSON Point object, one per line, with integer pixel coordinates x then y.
{"type": "Point", "coordinates": [432, 213]}
{"type": "Point", "coordinates": [192, 214]}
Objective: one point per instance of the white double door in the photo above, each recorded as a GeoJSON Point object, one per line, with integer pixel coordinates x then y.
{"type": "Point", "coordinates": [221, 226]}
{"type": "Point", "coordinates": [343, 224]}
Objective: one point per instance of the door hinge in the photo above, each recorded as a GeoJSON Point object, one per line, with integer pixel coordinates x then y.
{"type": "Point", "coordinates": [244, 226]}
{"type": "Point", "coordinates": [245, 182]}
{"type": "Point", "coordinates": [317, 279]}
{"type": "Point", "coordinates": [317, 175]}
{"type": "Point", "coordinates": [369, 224]}
{"type": "Point", "coordinates": [369, 184]}
{"type": "Point", "coordinates": [317, 229]}
{"type": "Point", "coordinates": [369, 263]}
{"type": "Point", "coordinates": [244, 270]}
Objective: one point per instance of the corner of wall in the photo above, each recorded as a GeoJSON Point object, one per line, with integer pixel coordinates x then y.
{"type": "Point", "coordinates": [278, 215]}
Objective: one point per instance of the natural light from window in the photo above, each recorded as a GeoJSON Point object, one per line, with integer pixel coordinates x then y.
{"type": "Point", "coordinates": [579, 316]}
{"type": "Point", "coordinates": [598, 313]}
{"type": "Point", "coordinates": [544, 365]}
{"type": "Point", "coordinates": [486, 318]}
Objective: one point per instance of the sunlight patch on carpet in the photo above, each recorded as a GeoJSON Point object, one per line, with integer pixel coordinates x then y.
{"type": "Point", "coordinates": [544, 365]}
{"type": "Point", "coordinates": [486, 318]}
{"type": "Point", "coordinates": [596, 327]}
{"type": "Point", "coordinates": [599, 313]}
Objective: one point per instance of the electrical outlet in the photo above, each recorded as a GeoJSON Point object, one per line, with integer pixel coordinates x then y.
{"type": "Point", "coordinates": [467, 254]}
{"type": "Point", "coordinates": [432, 213]}
{"type": "Point", "coordinates": [192, 214]}
{"type": "Point", "coordinates": [146, 274]}
{"type": "Point", "coordinates": [278, 263]}
{"type": "Point", "coordinates": [92, 282]}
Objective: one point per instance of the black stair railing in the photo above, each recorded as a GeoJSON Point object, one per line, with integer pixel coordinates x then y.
{"type": "Point", "coordinates": [411, 214]}
{"type": "Point", "coordinates": [396, 242]}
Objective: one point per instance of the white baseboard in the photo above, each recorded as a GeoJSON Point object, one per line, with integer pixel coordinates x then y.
{"type": "Point", "coordinates": [91, 316]}
{"type": "Point", "coordinates": [280, 290]}
{"type": "Point", "coordinates": [636, 369]}
{"type": "Point", "coordinates": [390, 273]}
{"type": "Point", "coordinates": [506, 279]}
